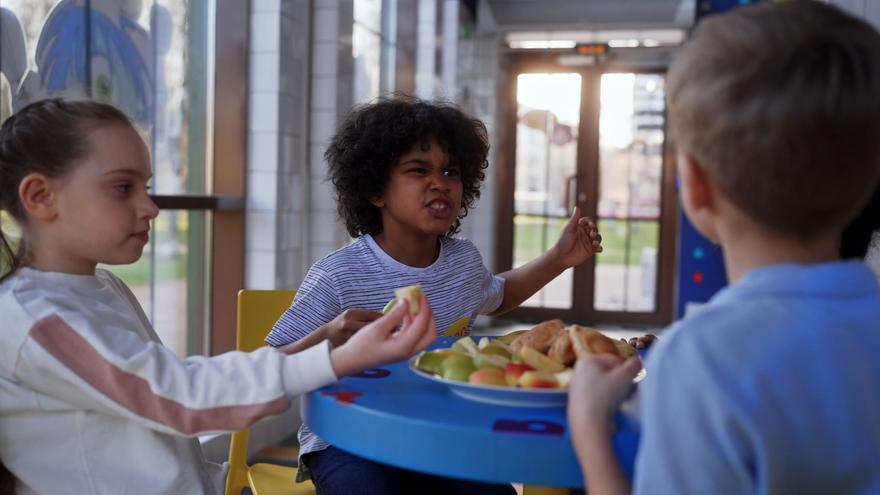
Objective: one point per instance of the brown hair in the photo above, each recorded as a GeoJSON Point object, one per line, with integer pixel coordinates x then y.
{"type": "Point", "coordinates": [780, 103]}
{"type": "Point", "coordinates": [46, 137]}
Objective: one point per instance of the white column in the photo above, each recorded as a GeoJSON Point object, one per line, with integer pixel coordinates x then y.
{"type": "Point", "coordinates": [426, 48]}
{"type": "Point", "coordinates": [449, 58]}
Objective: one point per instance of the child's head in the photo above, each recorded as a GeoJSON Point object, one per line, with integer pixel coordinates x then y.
{"type": "Point", "coordinates": [73, 175]}
{"type": "Point", "coordinates": [779, 105]}
{"type": "Point", "coordinates": [369, 145]}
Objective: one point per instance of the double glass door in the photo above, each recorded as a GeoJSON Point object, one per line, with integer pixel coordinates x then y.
{"type": "Point", "coordinates": [593, 138]}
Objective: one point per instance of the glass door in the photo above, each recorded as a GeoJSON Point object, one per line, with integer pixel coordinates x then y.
{"type": "Point", "coordinates": [547, 120]}
{"type": "Point", "coordinates": [594, 138]}
{"type": "Point", "coordinates": [631, 138]}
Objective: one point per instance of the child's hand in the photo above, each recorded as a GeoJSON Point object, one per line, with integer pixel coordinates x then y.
{"type": "Point", "coordinates": [598, 387]}
{"type": "Point", "coordinates": [347, 323]}
{"type": "Point", "coordinates": [380, 342]}
{"type": "Point", "coordinates": [579, 240]}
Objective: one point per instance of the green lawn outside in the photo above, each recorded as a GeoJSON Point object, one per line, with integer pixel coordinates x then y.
{"type": "Point", "coordinates": [528, 243]}
{"type": "Point", "coordinates": [168, 267]}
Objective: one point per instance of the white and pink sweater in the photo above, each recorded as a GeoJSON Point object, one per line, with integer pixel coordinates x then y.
{"type": "Point", "coordinates": [92, 403]}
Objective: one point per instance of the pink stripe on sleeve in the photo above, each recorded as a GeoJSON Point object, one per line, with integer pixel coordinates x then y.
{"type": "Point", "coordinates": [134, 393]}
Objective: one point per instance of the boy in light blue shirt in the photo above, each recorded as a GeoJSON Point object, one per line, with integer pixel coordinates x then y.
{"type": "Point", "coordinates": [774, 386]}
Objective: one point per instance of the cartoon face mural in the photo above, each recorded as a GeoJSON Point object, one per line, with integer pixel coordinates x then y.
{"type": "Point", "coordinates": [92, 49]}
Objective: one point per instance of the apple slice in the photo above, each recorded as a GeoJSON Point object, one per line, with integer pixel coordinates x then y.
{"type": "Point", "coordinates": [540, 361]}
{"type": "Point", "coordinates": [488, 376]}
{"type": "Point", "coordinates": [411, 294]}
{"type": "Point", "coordinates": [538, 379]}
{"type": "Point", "coordinates": [512, 372]}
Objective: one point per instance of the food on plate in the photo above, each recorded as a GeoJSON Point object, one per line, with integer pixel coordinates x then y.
{"type": "Point", "coordinates": [561, 349]}
{"type": "Point", "coordinates": [483, 360]}
{"type": "Point", "coordinates": [488, 376]}
{"type": "Point", "coordinates": [457, 367]}
{"type": "Point", "coordinates": [643, 342]}
{"type": "Point", "coordinates": [521, 364]}
{"type": "Point", "coordinates": [508, 338]}
{"type": "Point", "coordinates": [512, 372]}
{"type": "Point", "coordinates": [540, 361]}
{"type": "Point", "coordinates": [590, 342]}
{"type": "Point", "coordinates": [538, 379]}
{"type": "Point", "coordinates": [539, 337]}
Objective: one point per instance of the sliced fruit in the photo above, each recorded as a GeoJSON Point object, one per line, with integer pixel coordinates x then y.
{"type": "Point", "coordinates": [390, 305]}
{"type": "Point", "coordinates": [484, 360]}
{"type": "Point", "coordinates": [496, 350]}
{"type": "Point", "coordinates": [465, 345]}
{"type": "Point", "coordinates": [488, 376]}
{"type": "Point", "coordinates": [540, 361]}
{"type": "Point", "coordinates": [457, 367]}
{"type": "Point", "coordinates": [411, 294]}
{"type": "Point", "coordinates": [538, 379]}
{"type": "Point", "coordinates": [512, 372]}
{"type": "Point", "coordinates": [431, 361]}
{"type": "Point", "coordinates": [564, 377]}
{"type": "Point", "coordinates": [510, 337]}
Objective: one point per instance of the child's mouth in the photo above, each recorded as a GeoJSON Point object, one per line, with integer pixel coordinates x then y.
{"type": "Point", "coordinates": [440, 209]}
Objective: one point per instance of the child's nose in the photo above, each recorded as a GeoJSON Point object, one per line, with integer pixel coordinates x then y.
{"type": "Point", "coordinates": [440, 181]}
{"type": "Point", "coordinates": [149, 208]}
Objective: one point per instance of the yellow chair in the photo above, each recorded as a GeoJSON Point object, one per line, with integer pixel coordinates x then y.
{"type": "Point", "coordinates": [257, 312]}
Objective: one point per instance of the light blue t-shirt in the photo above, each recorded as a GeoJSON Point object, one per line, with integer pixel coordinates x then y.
{"type": "Point", "coordinates": [362, 275]}
{"type": "Point", "coordinates": [771, 388]}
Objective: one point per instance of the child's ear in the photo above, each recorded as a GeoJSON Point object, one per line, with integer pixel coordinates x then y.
{"type": "Point", "coordinates": [37, 195]}
{"type": "Point", "coordinates": [696, 187]}
{"type": "Point", "coordinates": [698, 196]}
{"type": "Point", "coordinates": [378, 201]}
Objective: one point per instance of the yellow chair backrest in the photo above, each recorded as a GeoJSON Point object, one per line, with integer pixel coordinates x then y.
{"type": "Point", "coordinates": [257, 312]}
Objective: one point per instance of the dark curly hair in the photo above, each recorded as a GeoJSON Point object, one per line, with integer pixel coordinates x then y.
{"type": "Point", "coordinates": [373, 138]}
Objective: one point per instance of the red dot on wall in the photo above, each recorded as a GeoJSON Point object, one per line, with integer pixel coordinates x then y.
{"type": "Point", "coordinates": [698, 277]}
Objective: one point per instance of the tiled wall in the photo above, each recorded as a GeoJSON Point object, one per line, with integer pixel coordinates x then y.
{"type": "Point", "coordinates": [300, 80]}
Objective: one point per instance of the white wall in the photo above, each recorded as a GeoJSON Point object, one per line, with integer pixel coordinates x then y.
{"type": "Point", "coordinates": [300, 87]}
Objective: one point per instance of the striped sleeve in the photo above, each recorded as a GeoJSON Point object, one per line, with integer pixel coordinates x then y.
{"type": "Point", "coordinates": [316, 303]}
{"type": "Point", "coordinates": [101, 365]}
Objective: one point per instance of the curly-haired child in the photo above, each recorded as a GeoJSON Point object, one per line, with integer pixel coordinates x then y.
{"type": "Point", "coordinates": [405, 172]}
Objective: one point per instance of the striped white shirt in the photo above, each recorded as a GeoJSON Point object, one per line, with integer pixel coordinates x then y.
{"type": "Point", "coordinates": [362, 275]}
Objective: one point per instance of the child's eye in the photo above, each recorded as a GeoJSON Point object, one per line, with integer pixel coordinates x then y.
{"type": "Point", "coordinates": [452, 172]}
{"type": "Point", "coordinates": [123, 188]}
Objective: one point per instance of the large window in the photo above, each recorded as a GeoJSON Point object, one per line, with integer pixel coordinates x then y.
{"type": "Point", "coordinates": [152, 60]}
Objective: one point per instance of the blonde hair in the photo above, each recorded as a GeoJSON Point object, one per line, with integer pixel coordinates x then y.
{"type": "Point", "coordinates": [780, 103]}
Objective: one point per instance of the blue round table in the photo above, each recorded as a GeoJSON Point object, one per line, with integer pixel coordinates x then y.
{"type": "Point", "coordinates": [393, 416]}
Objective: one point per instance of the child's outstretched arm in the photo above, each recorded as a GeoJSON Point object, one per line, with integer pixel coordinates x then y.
{"type": "Point", "coordinates": [598, 387]}
{"type": "Point", "coordinates": [88, 358]}
{"type": "Point", "coordinates": [579, 241]}
{"type": "Point", "coordinates": [381, 342]}
{"type": "Point", "coordinates": [337, 331]}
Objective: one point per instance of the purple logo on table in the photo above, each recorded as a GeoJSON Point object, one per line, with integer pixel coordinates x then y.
{"type": "Point", "coordinates": [528, 426]}
{"type": "Point", "coordinates": [373, 373]}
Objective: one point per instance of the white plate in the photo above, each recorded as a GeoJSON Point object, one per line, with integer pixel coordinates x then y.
{"type": "Point", "coordinates": [493, 394]}
{"type": "Point", "coordinates": [503, 396]}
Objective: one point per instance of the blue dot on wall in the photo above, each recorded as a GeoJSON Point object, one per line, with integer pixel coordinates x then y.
{"type": "Point", "coordinates": [699, 253]}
